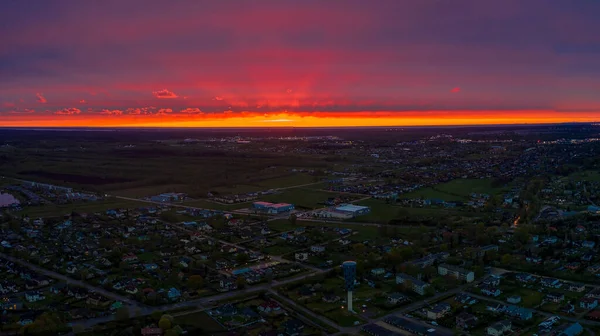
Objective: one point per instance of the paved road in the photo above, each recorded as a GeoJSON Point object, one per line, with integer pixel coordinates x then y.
{"type": "Point", "coordinates": [541, 312]}
{"type": "Point", "coordinates": [201, 303]}
{"type": "Point", "coordinates": [311, 314]}
{"type": "Point", "coordinates": [68, 280]}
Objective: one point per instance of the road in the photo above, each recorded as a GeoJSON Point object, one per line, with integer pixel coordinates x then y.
{"type": "Point", "coordinates": [68, 280]}
{"type": "Point", "coordinates": [312, 314]}
{"type": "Point", "coordinates": [543, 313]}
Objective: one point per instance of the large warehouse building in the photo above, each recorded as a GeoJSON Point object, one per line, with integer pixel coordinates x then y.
{"type": "Point", "coordinates": [272, 208]}
{"type": "Point", "coordinates": [353, 210]}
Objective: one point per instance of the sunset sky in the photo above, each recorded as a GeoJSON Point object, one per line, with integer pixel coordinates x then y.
{"type": "Point", "coordinates": [298, 63]}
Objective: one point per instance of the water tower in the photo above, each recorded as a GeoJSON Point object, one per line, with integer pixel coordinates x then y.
{"type": "Point", "coordinates": [349, 269]}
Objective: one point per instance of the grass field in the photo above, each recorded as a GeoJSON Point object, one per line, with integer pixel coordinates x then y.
{"type": "Point", "coordinates": [456, 190]}
{"type": "Point", "coordinates": [588, 175]}
{"type": "Point", "coordinates": [300, 197]}
{"type": "Point", "coordinates": [199, 320]}
{"type": "Point", "coordinates": [152, 167]}
{"type": "Point", "coordinates": [382, 212]}
{"type": "Point", "coordinates": [88, 207]}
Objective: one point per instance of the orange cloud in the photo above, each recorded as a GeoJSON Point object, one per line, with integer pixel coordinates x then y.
{"type": "Point", "coordinates": [111, 112]}
{"type": "Point", "coordinates": [219, 98]}
{"type": "Point", "coordinates": [164, 111]}
{"type": "Point", "coordinates": [191, 110]}
{"type": "Point", "coordinates": [82, 101]}
{"type": "Point", "coordinates": [22, 111]}
{"type": "Point", "coordinates": [41, 98]}
{"type": "Point", "coordinates": [68, 111]}
{"type": "Point", "coordinates": [164, 94]}
{"type": "Point", "coordinates": [455, 90]}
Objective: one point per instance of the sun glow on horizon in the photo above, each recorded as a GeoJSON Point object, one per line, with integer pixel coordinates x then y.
{"type": "Point", "coordinates": [300, 119]}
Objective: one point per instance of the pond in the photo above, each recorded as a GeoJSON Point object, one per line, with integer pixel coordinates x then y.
{"type": "Point", "coordinates": [7, 200]}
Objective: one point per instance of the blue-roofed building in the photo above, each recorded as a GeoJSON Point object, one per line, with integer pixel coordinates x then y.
{"type": "Point", "coordinates": [572, 330]}
{"type": "Point", "coordinates": [519, 312]}
{"type": "Point", "coordinates": [173, 293]}
{"type": "Point", "coordinates": [594, 209]}
{"type": "Point", "coordinates": [353, 210]}
{"type": "Point", "coordinates": [588, 244]}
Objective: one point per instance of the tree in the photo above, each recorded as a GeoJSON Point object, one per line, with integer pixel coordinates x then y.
{"type": "Point", "coordinates": [242, 258]}
{"type": "Point", "coordinates": [293, 218]}
{"type": "Point", "coordinates": [46, 324]}
{"type": "Point", "coordinates": [156, 315]}
{"type": "Point", "coordinates": [195, 282]}
{"type": "Point", "coordinates": [122, 314]}
{"type": "Point", "coordinates": [241, 282]}
{"type": "Point", "coordinates": [507, 259]}
{"type": "Point", "coordinates": [164, 323]}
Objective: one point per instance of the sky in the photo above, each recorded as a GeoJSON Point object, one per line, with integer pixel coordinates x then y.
{"type": "Point", "coordinates": [303, 63]}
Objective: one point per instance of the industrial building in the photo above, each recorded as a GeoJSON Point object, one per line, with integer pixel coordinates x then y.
{"type": "Point", "coordinates": [272, 208]}
{"type": "Point", "coordinates": [168, 197]}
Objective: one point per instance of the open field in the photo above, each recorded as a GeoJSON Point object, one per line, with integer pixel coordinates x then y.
{"type": "Point", "coordinates": [587, 175]}
{"type": "Point", "coordinates": [151, 167]}
{"type": "Point", "coordinates": [200, 320]}
{"type": "Point", "coordinates": [381, 212]}
{"type": "Point", "coordinates": [456, 190]}
{"type": "Point", "coordinates": [300, 197]}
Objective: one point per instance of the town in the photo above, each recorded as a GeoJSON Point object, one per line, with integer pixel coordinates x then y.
{"type": "Point", "coordinates": [476, 231]}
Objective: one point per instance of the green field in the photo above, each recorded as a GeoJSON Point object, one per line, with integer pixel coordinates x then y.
{"type": "Point", "coordinates": [300, 197]}
{"type": "Point", "coordinates": [152, 167]}
{"type": "Point", "coordinates": [588, 175]}
{"type": "Point", "coordinates": [382, 212]}
{"type": "Point", "coordinates": [456, 190]}
{"type": "Point", "coordinates": [200, 320]}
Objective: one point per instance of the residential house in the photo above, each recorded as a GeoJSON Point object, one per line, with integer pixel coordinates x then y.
{"type": "Point", "coordinates": [270, 308]}
{"type": "Point", "coordinates": [292, 327]}
{"type": "Point", "coordinates": [130, 258]}
{"type": "Point", "coordinates": [34, 296]}
{"type": "Point", "coordinates": [10, 304]}
{"type": "Point", "coordinates": [378, 271]}
{"type": "Point", "coordinates": [492, 281]}
{"type": "Point", "coordinates": [330, 298]}
{"type": "Point", "coordinates": [301, 256]}
{"type": "Point", "coordinates": [588, 303]}
{"type": "Point", "coordinates": [485, 249]}
{"type": "Point", "coordinates": [514, 299]}
{"type": "Point", "coordinates": [97, 300]}
{"type": "Point", "coordinates": [518, 312]}
{"type": "Point", "coordinates": [550, 283]}
{"type": "Point", "coordinates": [465, 299]}
{"type": "Point", "coordinates": [499, 328]}
{"type": "Point", "coordinates": [588, 244]}
{"type": "Point", "coordinates": [525, 278]}
{"type": "Point", "coordinates": [395, 298]}
{"type": "Point", "coordinates": [490, 291]}
{"type": "Point", "coordinates": [466, 321]}
{"type": "Point", "coordinates": [438, 311]}
{"type": "Point", "coordinates": [555, 297]}
{"type": "Point", "coordinates": [568, 309]}
{"type": "Point", "coordinates": [173, 294]}
{"type": "Point", "coordinates": [418, 286]}
{"type": "Point", "coordinates": [317, 249]}
{"type": "Point", "coordinates": [457, 272]}
{"type": "Point", "coordinates": [576, 287]}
